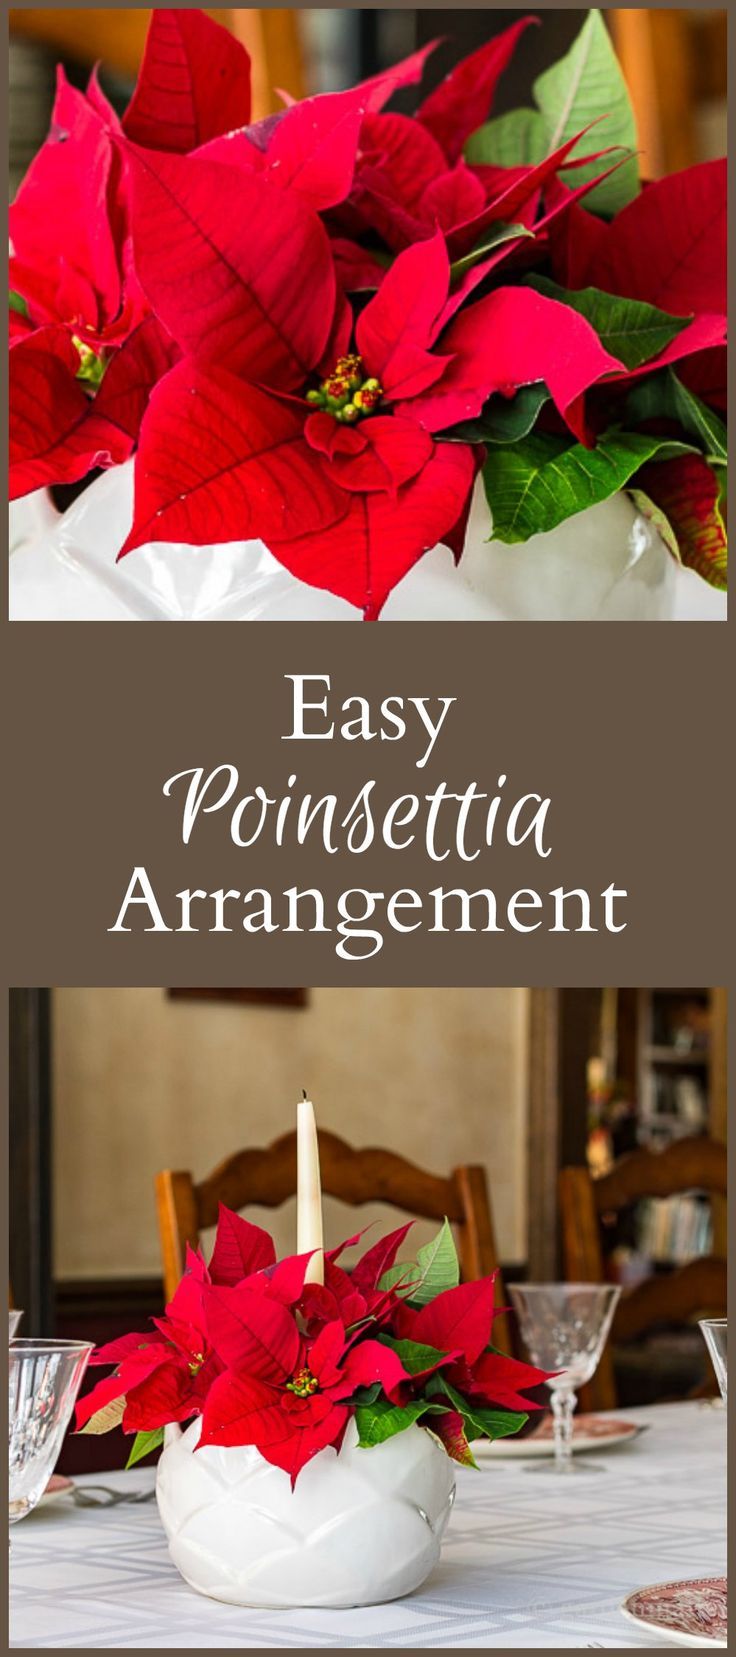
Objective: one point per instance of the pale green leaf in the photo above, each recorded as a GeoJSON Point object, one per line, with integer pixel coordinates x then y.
{"type": "Point", "coordinates": [435, 1269]}
{"type": "Point", "coordinates": [587, 83]}
{"type": "Point", "coordinates": [518, 139]}
{"type": "Point", "coordinates": [584, 85]}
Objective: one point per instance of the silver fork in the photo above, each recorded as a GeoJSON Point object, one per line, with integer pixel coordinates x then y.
{"type": "Point", "coordinates": [100, 1495]}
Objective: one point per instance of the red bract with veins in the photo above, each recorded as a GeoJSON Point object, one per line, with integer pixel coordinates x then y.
{"type": "Point", "coordinates": [411, 178]}
{"type": "Point", "coordinates": [86, 350]}
{"type": "Point", "coordinates": [83, 316]}
{"type": "Point", "coordinates": [459, 1322]}
{"type": "Point", "coordinates": [271, 1361]}
{"type": "Point", "coordinates": [667, 247]}
{"type": "Point", "coordinates": [194, 83]}
{"type": "Point", "coordinates": [164, 1376]}
{"type": "Point", "coordinates": [191, 284]}
{"type": "Point", "coordinates": [354, 1297]}
{"type": "Point", "coordinates": [59, 430]}
{"type": "Point", "coordinates": [348, 481]}
{"type": "Point", "coordinates": [292, 1401]}
{"type": "Point", "coordinates": [70, 249]}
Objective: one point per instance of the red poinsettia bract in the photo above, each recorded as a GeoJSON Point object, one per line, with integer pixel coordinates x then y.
{"type": "Point", "coordinates": [668, 248]}
{"type": "Point", "coordinates": [79, 318]}
{"type": "Point", "coordinates": [345, 503]}
{"type": "Point", "coordinates": [283, 1393]}
{"type": "Point", "coordinates": [269, 1360]}
{"type": "Point", "coordinates": [193, 285]}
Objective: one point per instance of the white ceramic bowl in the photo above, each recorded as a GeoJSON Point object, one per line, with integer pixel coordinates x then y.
{"type": "Point", "coordinates": [606, 564]}
{"type": "Point", "coordinates": [359, 1528]}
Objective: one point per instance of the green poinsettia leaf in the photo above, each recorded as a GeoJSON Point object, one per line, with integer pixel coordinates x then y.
{"type": "Point", "coordinates": [364, 1395]}
{"type": "Point", "coordinates": [381, 1420]}
{"type": "Point", "coordinates": [17, 303]}
{"type": "Point", "coordinates": [435, 1269]}
{"type": "Point", "coordinates": [143, 1445]}
{"type": "Point", "coordinates": [494, 237]}
{"type": "Point", "coordinates": [662, 396]}
{"type": "Point", "coordinates": [414, 1355]}
{"type": "Point", "coordinates": [480, 1422]}
{"type": "Point", "coordinates": [702, 423]}
{"type": "Point", "coordinates": [518, 139]}
{"type": "Point", "coordinates": [494, 1423]}
{"type": "Point", "coordinates": [690, 494]}
{"type": "Point", "coordinates": [538, 483]}
{"type": "Point", "coordinates": [440, 1384]}
{"type": "Point", "coordinates": [504, 419]}
{"type": "Point", "coordinates": [587, 83]}
{"type": "Point", "coordinates": [630, 329]}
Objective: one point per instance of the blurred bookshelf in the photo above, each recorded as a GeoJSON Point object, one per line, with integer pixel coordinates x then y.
{"type": "Point", "coordinates": [661, 1077]}
{"type": "Point", "coordinates": [675, 1029]}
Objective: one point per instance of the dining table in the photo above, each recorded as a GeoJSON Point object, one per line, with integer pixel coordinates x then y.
{"type": "Point", "coordinates": [530, 1559]}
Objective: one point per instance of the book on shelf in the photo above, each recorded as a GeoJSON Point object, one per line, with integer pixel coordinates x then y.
{"type": "Point", "coordinates": [673, 1230]}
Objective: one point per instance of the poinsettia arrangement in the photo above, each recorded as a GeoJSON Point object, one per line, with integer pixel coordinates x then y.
{"type": "Point", "coordinates": [267, 1358]}
{"type": "Point", "coordinates": [316, 329]}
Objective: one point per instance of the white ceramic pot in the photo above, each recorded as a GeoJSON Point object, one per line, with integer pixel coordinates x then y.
{"type": "Point", "coordinates": [606, 564]}
{"type": "Point", "coordinates": [359, 1528]}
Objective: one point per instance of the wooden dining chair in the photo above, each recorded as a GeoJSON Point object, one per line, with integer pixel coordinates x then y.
{"type": "Point", "coordinates": [116, 35]}
{"type": "Point", "coordinates": [674, 62]}
{"type": "Point", "coordinates": [675, 1298]}
{"type": "Point", "coordinates": [267, 1177]}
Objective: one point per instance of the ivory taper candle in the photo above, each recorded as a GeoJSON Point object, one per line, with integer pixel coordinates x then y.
{"type": "Point", "coordinates": [308, 1192]}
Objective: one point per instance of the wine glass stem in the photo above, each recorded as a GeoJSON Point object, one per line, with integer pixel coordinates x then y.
{"type": "Point", "coordinates": [563, 1405]}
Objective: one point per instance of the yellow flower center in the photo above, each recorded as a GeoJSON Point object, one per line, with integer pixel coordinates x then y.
{"type": "Point", "coordinates": [347, 393]}
{"type": "Point", "coordinates": [304, 1383]}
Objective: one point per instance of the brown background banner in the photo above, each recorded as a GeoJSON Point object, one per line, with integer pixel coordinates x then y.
{"type": "Point", "coordinates": [618, 725]}
{"type": "Point", "coordinates": [623, 726]}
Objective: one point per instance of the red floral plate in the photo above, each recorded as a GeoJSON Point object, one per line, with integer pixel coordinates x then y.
{"type": "Point", "coordinates": [688, 1613]}
{"type": "Point", "coordinates": [589, 1432]}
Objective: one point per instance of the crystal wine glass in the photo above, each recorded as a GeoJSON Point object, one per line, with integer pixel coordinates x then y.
{"type": "Point", "coordinates": [715, 1331]}
{"type": "Point", "coordinates": [565, 1326]}
{"type": "Point", "coordinates": [44, 1379]}
{"type": "Point", "coordinates": [14, 1317]}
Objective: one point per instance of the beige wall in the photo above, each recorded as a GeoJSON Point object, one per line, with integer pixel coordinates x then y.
{"type": "Point", "coordinates": [141, 1083]}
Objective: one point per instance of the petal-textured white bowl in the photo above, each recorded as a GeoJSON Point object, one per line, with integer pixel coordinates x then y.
{"type": "Point", "coordinates": [605, 564]}
{"type": "Point", "coordinates": [359, 1528]}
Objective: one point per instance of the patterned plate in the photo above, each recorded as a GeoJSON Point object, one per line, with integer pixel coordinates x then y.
{"type": "Point", "coordinates": [688, 1613]}
{"type": "Point", "coordinates": [589, 1432]}
{"type": "Point", "coordinates": [57, 1486]}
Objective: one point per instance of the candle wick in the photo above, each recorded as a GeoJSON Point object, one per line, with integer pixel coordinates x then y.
{"type": "Point", "coordinates": [304, 1093]}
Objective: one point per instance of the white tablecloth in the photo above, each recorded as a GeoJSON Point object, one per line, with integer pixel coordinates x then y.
{"type": "Point", "coordinates": [528, 1560]}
